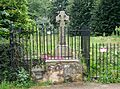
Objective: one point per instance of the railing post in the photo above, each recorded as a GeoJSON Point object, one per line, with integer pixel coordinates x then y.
{"type": "Point", "coordinates": [11, 44]}
{"type": "Point", "coordinates": [85, 46]}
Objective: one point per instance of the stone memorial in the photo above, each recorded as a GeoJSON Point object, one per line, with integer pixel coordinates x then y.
{"type": "Point", "coordinates": [62, 49]}
{"type": "Point", "coordinates": [57, 69]}
{"type": "Point", "coordinates": [68, 68]}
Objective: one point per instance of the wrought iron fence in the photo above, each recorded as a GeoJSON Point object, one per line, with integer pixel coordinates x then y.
{"type": "Point", "coordinates": [116, 33]}
{"type": "Point", "coordinates": [37, 46]}
{"type": "Point", "coordinates": [105, 63]}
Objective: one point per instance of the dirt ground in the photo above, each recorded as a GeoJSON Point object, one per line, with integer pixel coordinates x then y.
{"type": "Point", "coordinates": [81, 86]}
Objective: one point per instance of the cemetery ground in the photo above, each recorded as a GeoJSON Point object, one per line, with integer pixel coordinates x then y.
{"type": "Point", "coordinates": [87, 85]}
{"type": "Point", "coordinates": [73, 85]}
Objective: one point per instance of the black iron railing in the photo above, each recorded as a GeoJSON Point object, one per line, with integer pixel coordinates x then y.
{"type": "Point", "coordinates": [37, 46]}
{"type": "Point", "coordinates": [105, 63]}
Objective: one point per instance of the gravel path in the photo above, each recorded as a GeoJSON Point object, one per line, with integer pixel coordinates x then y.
{"type": "Point", "coordinates": [81, 86]}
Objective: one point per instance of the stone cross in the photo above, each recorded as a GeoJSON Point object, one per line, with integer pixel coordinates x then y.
{"type": "Point", "coordinates": [61, 18]}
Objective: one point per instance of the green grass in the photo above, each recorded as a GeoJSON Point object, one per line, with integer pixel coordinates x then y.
{"type": "Point", "coordinates": [8, 85]}
{"type": "Point", "coordinates": [109, 39]}
{"type": "Point", "coordinates": [47, 83]}
{"type": "Point", "coordinates": [5, 85]}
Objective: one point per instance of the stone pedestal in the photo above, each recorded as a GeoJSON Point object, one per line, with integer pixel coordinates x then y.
{"type": "Point", "coordinates": [63, 72]}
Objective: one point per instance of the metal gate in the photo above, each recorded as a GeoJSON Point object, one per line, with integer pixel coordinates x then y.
{"type": "Point", "coordinates": [36, 45]}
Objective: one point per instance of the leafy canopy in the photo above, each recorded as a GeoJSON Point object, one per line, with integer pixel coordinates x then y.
{"type": "Point", "coordinates": [15, 12]}
{"type": "Point", "coordinates": [81, 13]}
{"type": "Point", "coordinates": [107, 17]}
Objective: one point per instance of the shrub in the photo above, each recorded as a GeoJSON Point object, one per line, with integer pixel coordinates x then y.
{"type": "Point", "coordinates": [8, 66]}
{"type": "Point", "coordinates": [6, 70]}
{"type": "Point", "coordinates": [23, 78]}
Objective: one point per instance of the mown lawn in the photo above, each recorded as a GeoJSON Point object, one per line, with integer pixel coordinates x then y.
{"type": "Point", "coordinates": [109, 39]}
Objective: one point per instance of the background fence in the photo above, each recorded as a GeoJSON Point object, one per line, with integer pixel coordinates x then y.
{"type": "Point", "coordinates": [105, 63]}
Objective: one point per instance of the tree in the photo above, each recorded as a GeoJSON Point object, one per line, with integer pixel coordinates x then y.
{"type": "Point", "coordinates": [15, 12]}
{"type": "Point", "coordinates": [81, 13]}
{"type": "Point", "coordinates": [39, 8]}
{"type": "Point", "coordinates": [106, 17]}
{"type": "Point", "coordinates": [39, 11]}
{"type": "Point", "coordinates": [57, 5]}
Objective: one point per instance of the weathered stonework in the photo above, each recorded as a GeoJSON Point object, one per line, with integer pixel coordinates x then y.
{"type": "Point", "coordinates": [37, 72]}
{"type": "Point", "coordinates": [61, 72]}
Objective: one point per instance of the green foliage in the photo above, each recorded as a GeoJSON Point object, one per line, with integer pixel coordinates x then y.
{"type": "Point", "coordinates": [8, 64]}
{"type": "Point", "coordinates": [106, 17]}
{"type": "Point", "coordinates": [39, 11]}
{"type": "Point", "coordinates": [81, 13]}
{"type": "Point", "coordinates": [23, 79]}
{"type": "Point", "coordinates": [39, 8]}
{"type": "Point", "coordinates": [57, 5]}
{"type": "Point", "coordinates": [117, 31]}
{"type": "Point", "coordinates": [7, 72]}
{"type": "Point", "coordinates": [13, 11]}
{"type": "Point", "coordinates": [6, 85]}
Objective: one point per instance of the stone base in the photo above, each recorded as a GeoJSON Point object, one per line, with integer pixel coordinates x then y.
{"type": "Point", "coordinates": [63, 72]}
{"type": "Point", "coordinates": [37, 72]}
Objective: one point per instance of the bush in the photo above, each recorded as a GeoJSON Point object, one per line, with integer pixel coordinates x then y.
{"type": "Point", "coordinates": [23, 78]}
{"type": "Point", "coordinates": [6, 70]}
{"type": "Point", "coordinates": [8, 66]}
